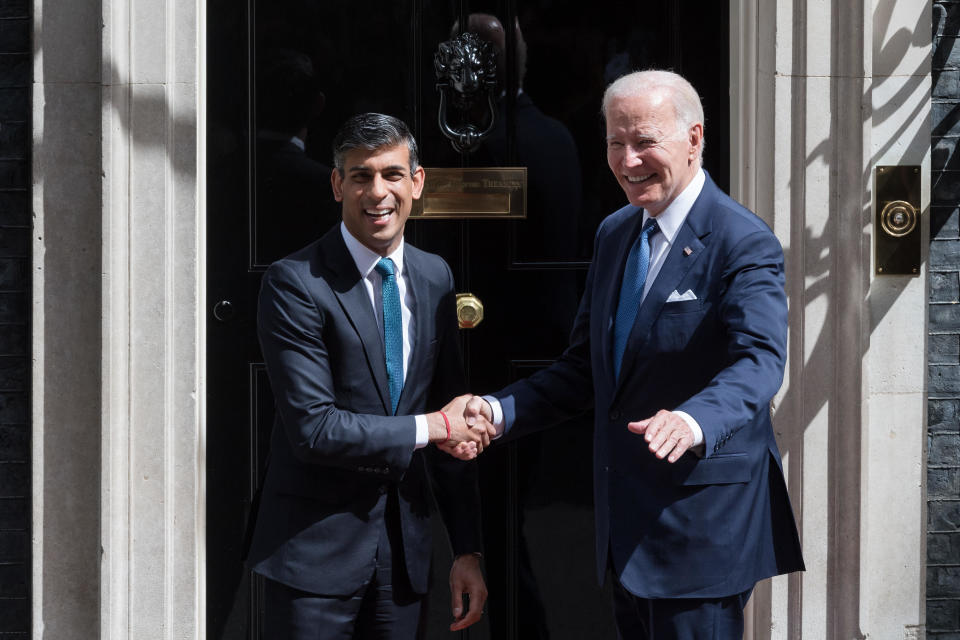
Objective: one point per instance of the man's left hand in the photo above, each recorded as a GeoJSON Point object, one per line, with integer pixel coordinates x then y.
{"type": "Point", "coordinates": [466, 579]}
{"type": "Point", "coordinates": [667, 434]}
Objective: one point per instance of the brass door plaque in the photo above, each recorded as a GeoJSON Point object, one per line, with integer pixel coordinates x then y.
{"type": "Point", "coordinates": [897, 235]}
{"type": "Point", "coordinates": [475, 192]}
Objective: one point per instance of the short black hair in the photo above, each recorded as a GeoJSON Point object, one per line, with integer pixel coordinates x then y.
{"type": "Point", "coordinates": [371, 131]}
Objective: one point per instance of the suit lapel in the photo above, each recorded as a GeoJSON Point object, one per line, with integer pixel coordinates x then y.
{"type": "Point", "coordinates": [692, 235]}
{"type": "Point", "coordinates": [352, 294]}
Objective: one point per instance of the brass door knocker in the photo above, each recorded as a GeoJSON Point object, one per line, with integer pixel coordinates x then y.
{"type": "Point", "coordinates": [466, 69]}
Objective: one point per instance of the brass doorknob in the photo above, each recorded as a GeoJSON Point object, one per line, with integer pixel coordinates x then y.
{"type": "Point", "coordinates": [469, 310]}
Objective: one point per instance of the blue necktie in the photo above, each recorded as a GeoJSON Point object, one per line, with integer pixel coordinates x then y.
{"type": "Point", "coordinates": [631, 292]}
{"type": "Point", "coordinates": [392, 329]}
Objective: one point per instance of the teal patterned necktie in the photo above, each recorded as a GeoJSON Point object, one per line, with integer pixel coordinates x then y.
{"type": "Point", "coordinates": [631, 292]}
{"type": "Point", "coordinates": [392, 329]}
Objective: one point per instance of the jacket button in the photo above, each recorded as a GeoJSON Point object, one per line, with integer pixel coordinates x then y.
{"type": "Point", "coordinates": [615, 414]}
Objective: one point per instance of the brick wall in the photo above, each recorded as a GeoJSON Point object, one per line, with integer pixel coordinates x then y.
{"type": "Point", "coordinates": [943, 423]}
{"type": "Point", "coordinates": [15, 80]}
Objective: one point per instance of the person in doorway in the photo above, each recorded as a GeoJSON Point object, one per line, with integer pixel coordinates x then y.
{"type": "Point", "coordinates": [358, 332]}
{"type": "Point", "coordinates": [293, 201]}
{"type": "Point", "coordinates": [679, 345]}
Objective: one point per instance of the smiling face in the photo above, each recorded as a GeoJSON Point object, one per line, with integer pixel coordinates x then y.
{"type": "Point", "coordinates": [377, 190]}
{"type": "Point", "coordinates": [652, 158]}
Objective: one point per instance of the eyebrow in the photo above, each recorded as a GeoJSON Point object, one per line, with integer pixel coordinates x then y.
{"type": "Point", "coordinates": [393, 167]}
{"type": "Point", "coordinates": [640, 136]}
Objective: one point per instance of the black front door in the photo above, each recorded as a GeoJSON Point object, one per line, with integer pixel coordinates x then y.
{"type": "Point", "coordinates": [285, 69]}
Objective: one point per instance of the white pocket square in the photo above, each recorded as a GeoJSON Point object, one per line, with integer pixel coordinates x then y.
{"type": "Point", "coordinates": [680, 297]}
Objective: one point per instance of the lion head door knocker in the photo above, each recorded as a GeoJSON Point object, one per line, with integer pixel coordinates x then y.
{"type": "Point", "coordinates": [466, 69]}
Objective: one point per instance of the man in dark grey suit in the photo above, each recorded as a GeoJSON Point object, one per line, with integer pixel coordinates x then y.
{"type": "Point", "coordinates": [358, 332]}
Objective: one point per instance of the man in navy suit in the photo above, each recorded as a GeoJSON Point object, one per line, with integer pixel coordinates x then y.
{"type": "Point", "coordinates": [358, 332]}
{"type": "Point", "coordinates": [678, 346]}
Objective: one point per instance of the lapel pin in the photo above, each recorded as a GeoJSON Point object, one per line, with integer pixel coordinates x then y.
{"type": "Point", "coordinates": [687, 251]}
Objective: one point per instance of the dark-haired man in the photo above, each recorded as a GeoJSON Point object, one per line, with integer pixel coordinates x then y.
{"type": "Point", "coordinates": [358, 332]}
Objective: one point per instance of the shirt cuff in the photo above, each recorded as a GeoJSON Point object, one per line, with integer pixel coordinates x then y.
{"type": "Point", "coordinates": [423, 432]}
{"type": "Point", "coordinates": [697, 447]}
{"type": "Point", "coordinates": [497, 411]}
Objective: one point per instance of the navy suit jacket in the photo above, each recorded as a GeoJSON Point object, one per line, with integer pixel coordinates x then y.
{"type": "Point", "coordinates": [701, 527]}
{"type": "Point", "coordinates": [336, 452]}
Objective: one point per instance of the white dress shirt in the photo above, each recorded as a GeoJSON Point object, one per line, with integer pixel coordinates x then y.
{"type": "Point", "coordinates": [366, 260]}
{"type": "Point", "coordinates": [669, 222]}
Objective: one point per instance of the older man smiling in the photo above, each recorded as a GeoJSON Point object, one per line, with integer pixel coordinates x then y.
{"type": "Point", "coordinates": [678, 346]}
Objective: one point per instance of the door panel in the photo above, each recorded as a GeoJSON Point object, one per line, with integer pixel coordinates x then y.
{"type": "Point", "coordinates": [300, 67]}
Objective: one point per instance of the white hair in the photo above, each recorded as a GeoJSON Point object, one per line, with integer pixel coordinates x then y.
{"type": "Point", "coordinates": [687, 108]}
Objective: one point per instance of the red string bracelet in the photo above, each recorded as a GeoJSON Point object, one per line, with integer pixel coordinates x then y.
{"type": "Point", "coordinates": [446, 422]}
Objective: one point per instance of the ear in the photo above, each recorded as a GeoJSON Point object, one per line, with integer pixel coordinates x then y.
{"type": "Point", "coordinates": [418, 178]}
{"type": "Point", "coordinates": [695, 140]}
{"type": "Point", "coordinates": [337, 183]}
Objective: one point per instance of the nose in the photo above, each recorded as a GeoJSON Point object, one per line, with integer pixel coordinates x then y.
{"type": "Point", "coordinates": [377, 188]}
{"type": "Point", "coordinates": [631, 157]}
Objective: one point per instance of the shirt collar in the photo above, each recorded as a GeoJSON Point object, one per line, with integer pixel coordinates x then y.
{"type": "Point", "coordinates": [365, 259]}
{"type": "Point", "coordinates": [671, 219]}
{"type": "Point", "coordinates": [297, 142]}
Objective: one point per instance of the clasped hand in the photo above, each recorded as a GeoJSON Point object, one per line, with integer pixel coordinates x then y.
{"type": "Point", "coordinates": [469, 431]}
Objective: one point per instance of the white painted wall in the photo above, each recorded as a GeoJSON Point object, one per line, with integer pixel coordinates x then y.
{"type": "Point", "coordinates": [117, 320]}
{"type": "Point", "coordinates": [827, 91]}
{"type": "Point", "coordinates": [66, 321]}
{"type": "Point", "coordinates": [152, 461]}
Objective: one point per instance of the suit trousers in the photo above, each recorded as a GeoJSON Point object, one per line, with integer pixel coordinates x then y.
{"type": "Point", "coordinates": [385, 608]}
{"type": "Point", "coordinates": [678, 618]}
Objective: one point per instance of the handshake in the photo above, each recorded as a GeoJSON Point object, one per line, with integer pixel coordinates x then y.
{"type": "Point", "coordinates": [463, 428]}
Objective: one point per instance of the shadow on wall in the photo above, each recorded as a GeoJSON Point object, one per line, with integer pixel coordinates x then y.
{"type": "Point", "coordinates": [837, 291]}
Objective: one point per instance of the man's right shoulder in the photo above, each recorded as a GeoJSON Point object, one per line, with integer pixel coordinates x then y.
{"type": "Point", "coordinates": [305, 268]}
